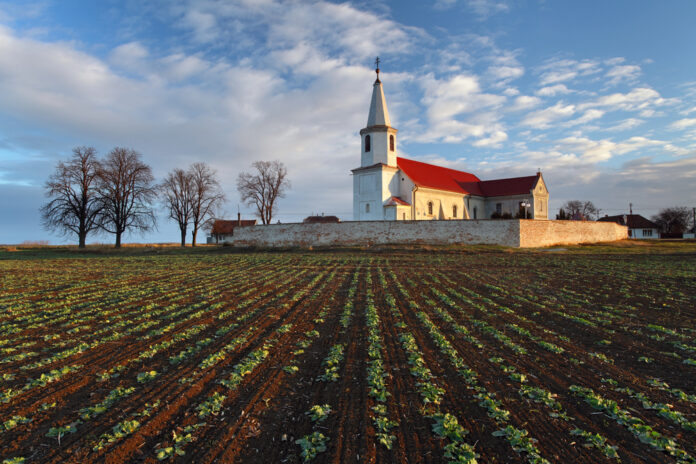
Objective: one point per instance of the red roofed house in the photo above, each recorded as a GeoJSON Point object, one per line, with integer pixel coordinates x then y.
{"type": "Point", "coordinates": [223, 230]}
{"type": "Point", "coordinates": [389, 187]}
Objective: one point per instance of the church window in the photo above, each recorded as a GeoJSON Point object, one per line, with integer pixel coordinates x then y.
{"type": "Point", "coordinates": [454, 210]}
{"type": "Point", "coordinates": [499, 208]}
{"type": "Point", "coordinates": [403, 216]}
{"type": "Point", "coordinates": [391, 143]}
{"type": "Point", "coordinates": [474, 212]}
{"type": "Point", "coordinates": [367, 143]}
{"type": "Point", "coordinates": [430, 208]}
{"type": "Point", "coordinates": [367, 207]}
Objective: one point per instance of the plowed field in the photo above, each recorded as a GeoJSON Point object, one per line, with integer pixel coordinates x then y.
{"type": "Point", "coordinates": [398, 356]}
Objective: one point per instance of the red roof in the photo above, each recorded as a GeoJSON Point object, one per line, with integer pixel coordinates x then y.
{"type": "Point", "coordinates": [223, 227]}
{"type": "Point", "coordinates": [510, 186]}
{"type": "Point", "coordinates": [397, 201]}
{"type": "Point", "coordinates": [451, 180]}
{"type": "Point", "coordinates": [436, 177]}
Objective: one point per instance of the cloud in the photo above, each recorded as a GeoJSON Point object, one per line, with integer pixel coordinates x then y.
{"type": "Point", "coordinates": [684, 123]}
{"type": "Point", "coordinates": [505, 74]}
{"type": "Point", "coordinates": [552, 90]}
{"type": "Point", "coordinates": [448, 101]}
{"type": "Point", "coordinates": [482, 8]}
{"type": "Point", "coordinates": [562, 70]}
{"type": "Point", "coordinates": [525, 102]}
{"type": "Point", "coordinates": [542, 119]}
{"type": "Point", "coordinates": [626, 124]}
{"type": "Point", "coordinates": [589, 115]}
{"type": "Point", "coordinates": [640, 98]}
{"type": "Point", "coordinates": [623, 73]}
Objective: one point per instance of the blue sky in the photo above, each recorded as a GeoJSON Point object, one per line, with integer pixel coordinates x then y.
{"type": "Point", "coordinates": [601, 96]}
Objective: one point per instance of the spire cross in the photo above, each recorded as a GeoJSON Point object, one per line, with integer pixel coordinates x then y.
{"type": "Point", "coordinates": [377, 64]}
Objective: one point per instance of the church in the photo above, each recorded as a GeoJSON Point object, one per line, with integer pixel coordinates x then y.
{"type": "Point", "coordinates": [387, 187]}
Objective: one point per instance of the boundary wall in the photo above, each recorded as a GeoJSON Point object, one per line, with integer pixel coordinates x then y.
{"type": "Point", "coordinates": [524, 233]}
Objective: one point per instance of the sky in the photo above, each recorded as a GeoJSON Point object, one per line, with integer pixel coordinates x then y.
{"type": "Point", "coordinates": [601, 96]}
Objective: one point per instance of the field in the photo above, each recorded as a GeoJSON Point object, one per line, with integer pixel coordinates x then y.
{"type": "Point", "coordinates": [471, 355]}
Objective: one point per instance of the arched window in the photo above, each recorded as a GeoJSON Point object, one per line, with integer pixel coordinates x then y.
{"type": "Point", "coordinates": [474, 212]}
{"type": "Point", "coordinates": [430, 208]}
{"type": "Point", "coordinates": [454, 210]}
{"type": "Point", "coordinates": [367, 205]}
{"type": "Point", "coordinates": [367, 143]}
{"type": "Point", "coordinates": [391, 143]}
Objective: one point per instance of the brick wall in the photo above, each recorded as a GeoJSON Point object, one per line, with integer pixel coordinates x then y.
{"type": "Point", "coordinates": [514, 233]}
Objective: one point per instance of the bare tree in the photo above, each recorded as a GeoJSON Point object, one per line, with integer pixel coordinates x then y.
{"type": "Point", "coordinates": [74, 206]}
{"type": "Point", "coordinates": [126, 192]}
{"type": "Point", "coordinates": [206, 196]}
{"type": "Point", "coordinates": [177, 193]}
{"type": "Point", "coordinates": [577, 210]}
{"type": "Point", "coordinates": [674, 220]}
{"type": "Point", "coordinates": [263, 188]}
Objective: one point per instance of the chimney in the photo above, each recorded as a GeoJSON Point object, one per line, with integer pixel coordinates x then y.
{"type": "Point", "coordinates": [239, 218]}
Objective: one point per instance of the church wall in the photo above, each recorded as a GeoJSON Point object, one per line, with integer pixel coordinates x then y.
{"type": "Point", "coordinates": [367, 189]}
{"type": "Point", "coordinates": [442, 204]}
{"type": "Point", "coordinates": [510, 204]}
{"type": "Point", "coordinates": [513, 233]}
{"type": "Point", "coordinates": [477, 203]}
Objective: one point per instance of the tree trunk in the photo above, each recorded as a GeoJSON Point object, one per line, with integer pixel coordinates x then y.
{"type": "Point", "coordinates": [194, 233]}
{"type": "Point", "coordinates": [118, 240]}
{"type": "Point", "coordinates": [183, 236]}
{"type": "Point", "coordinates": [83, 239]}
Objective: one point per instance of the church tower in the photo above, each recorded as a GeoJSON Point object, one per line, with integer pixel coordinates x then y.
{"type": "Point", "coordinates": [375, 182]}
{"type": "Point", "coordinates": [379, 137]}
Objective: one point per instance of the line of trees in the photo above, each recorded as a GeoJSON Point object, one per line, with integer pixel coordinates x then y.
{"type": "Point", "coordinates": [117, 194]}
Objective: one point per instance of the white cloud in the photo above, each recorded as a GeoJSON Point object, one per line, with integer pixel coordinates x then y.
{"type": "Point", "coordinates": [525, 102]}
{"type": "Point", "coordinates": [482, 8]}
{"type": "Point", "coordinates": [623, 73]}
{"type": "Point", "coordinates": [589, 115]}
{"type": "Point", "coordinates": [542, 119]}
{"type": "Point", "coordinates": [626, 124]}
{"type": "Point", "coordinates": [684, 123]}
{"type": "Point", "coordinates": [552, 90]}
{"type": "Point", "coordinates": [505, 74]}
{"type": "Point", "coordinates": [562, 70]}
{"type": "Point", "coordinates": [640, 98]}
{"type": "Point", "coordinates": [449, 101]}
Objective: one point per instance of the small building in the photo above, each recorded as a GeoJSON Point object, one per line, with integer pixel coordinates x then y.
{"type": "Point", "coordinates": [321, 219]}
{"type": "Point", "coordinates": [638, 226]}
{"type": "Point", "coordinates": [223, 230]}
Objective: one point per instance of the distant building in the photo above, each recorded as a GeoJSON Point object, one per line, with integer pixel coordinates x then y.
{"type": "Point", "coordinates": [321, 219]}
{"type": "Point", "coordinates": [223, 230]}
{"type": "Point", "coordinates": [638, 226]}
{"type": "Point", "coordinates": [389, 187]}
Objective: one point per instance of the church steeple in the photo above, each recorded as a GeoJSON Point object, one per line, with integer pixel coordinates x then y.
{"type": "Point", "coordinates": [379, 115]}
{"type": "Point", "coordinates": [379, 138]}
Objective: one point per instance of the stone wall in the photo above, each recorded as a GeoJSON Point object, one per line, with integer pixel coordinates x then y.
{"type": "Point", "coordinates": [546, 233]}
{"type": "Point", "coordinates": [513, 233]}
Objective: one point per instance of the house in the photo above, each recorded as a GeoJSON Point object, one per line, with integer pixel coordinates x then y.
{"type": "Point", "coordinates": [638, 226]}
{"type": "Point", "coordinates": [320, 219]}
{"type": "Point", "coordinates": [390, 187]}
{"type": "Point", "coordinates": [223, 230]}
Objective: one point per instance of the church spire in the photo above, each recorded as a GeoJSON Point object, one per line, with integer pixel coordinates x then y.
{"type": "Point", "coordinates": [379, 115]}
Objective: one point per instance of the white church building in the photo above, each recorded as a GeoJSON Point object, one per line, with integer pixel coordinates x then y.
{"type": "Point", "coordinates": [389, 187]}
